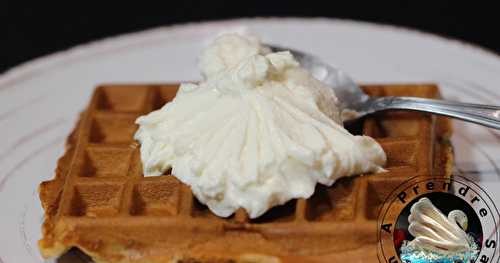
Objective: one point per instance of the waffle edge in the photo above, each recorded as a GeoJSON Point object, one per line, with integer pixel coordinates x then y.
{"type": "Point", "coordinates": [100, 203]}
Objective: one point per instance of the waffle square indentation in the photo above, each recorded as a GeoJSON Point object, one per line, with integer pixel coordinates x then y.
{"type": "Point", "coordinates": [401, 153]}
{"type": "Point", "coordinates": [163, 95]}
{"type": "Point", "coordinates": [332, 203]}
{"type": "Point", "coordinates": [377, 191]}
{"type": "Point", "coordinates": [395, 124]}
{"type": "Point", "coordinates": [106, 162]}
{"type": "Point", "coordinates": [96, 200]}
{"type": "Point", "coordinates": [156, 197]}
{"type": "Point", "coordinates": [115, 98]}
{"type": "Point", "coordinates": [113, 128]}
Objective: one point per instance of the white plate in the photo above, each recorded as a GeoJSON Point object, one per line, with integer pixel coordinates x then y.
{"type": "Point", "coordinates": [40, 100]}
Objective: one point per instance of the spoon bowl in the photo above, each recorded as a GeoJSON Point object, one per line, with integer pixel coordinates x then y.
{"type": "Point", "coordinates": [354, 103]}
{"type": "Point", "coordinates": [347, 91]}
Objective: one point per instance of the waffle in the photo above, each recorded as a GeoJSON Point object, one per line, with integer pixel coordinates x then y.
{"type": "Point", "coordinates": [100, 202]}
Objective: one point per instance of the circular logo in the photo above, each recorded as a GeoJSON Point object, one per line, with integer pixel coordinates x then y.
{"type": "Point", "coordinates": [436, 219]}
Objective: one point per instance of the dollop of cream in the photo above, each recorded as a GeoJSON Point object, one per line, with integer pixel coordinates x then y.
{"type": "Point", "coordinates": [258, 131]}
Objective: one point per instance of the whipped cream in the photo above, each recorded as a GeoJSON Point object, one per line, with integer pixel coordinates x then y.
{"type": "Point", "coordinates": [258, 131]}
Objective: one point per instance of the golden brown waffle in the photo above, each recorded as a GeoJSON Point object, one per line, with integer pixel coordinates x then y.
{"type": "Point", "coordinates": [100, 202]}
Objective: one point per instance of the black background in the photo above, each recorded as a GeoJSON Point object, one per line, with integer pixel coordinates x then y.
{"type": "Point", "coordinates": [41, 27]}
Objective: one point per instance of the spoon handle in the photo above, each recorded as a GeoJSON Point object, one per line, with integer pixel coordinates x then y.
{"type": "Point", "coordinates": [486, 115]}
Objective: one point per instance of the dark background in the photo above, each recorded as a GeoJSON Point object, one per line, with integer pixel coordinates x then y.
{"type": "Point", "coordinates": [41, 27]}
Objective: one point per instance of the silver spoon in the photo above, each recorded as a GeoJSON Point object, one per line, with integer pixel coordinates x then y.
{"type": "Point", "coordinates": [352, 98]}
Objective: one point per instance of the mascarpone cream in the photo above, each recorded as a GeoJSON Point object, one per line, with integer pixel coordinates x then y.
{"type": "Point", "coordinates": [258, 131]}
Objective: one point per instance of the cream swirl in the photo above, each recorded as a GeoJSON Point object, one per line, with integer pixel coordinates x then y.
{"type": "Point", "coordinates": [258, 131]}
